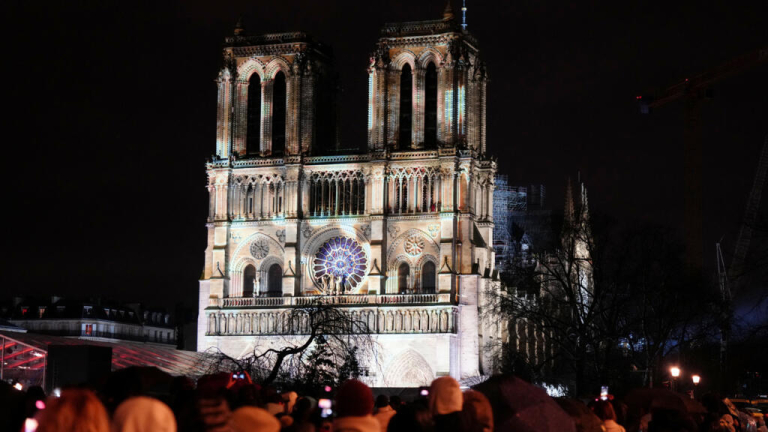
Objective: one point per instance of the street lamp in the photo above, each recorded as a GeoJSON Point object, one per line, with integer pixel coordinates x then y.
{"type": "Point", "coordinates": [696, 379]}
{"type": "Point", "coordinates": [675, 372]}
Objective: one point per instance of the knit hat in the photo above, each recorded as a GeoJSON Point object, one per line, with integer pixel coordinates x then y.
{"type": "Point", "coordinates": [140, 414]}
{"type": "Point", "coordinates": [445, 396]}
{"type": "Point", "coordinates": [248, 418]}
{"type": "Point", "coordinates": [354, 399]}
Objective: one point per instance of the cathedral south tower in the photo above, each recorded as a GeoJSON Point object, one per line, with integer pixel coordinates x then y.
{"type": "Point", "coordinates": [398, 234]}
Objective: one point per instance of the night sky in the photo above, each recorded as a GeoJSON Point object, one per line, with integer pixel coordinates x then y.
{"type": "Point", "coordinates": [112, 115]}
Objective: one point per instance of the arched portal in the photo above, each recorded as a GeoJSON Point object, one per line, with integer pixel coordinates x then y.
{"type": "Point", "coordinates": [278, 114]}
{"type": "Point", "coordinates": [275, 281]}
{"type": "Point", "coordinates": [249, 276]}
{"type": "Point", "coordinates": [406, 107]}
{"type": "Point", "coordinates": [253, 136]}
{"type": "Point", "coordinates": [430, 106]}
{"type": "Point", "coordinates": [403, 271]}
{"type": "Point", "coordinates": [428, 277]}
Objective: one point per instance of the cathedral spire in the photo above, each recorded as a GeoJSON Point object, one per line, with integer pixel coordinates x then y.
{"type": "Point", "coordinates": [448, 11]}
{"type": "Point", "coordinates": [568, 211]}
{"type": "Point", "coordinates": [239, 27]}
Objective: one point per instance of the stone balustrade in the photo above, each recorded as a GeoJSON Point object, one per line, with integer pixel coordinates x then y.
{"type": "Point", "coordinates": [388, 299]}
{"type": "Point", "coordinates": [374, 319]}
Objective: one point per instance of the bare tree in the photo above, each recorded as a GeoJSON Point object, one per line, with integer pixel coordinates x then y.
{"type": "Point", "coordinates": [321, 325]}
{"type": "Point", "coordinates": [600, 304]}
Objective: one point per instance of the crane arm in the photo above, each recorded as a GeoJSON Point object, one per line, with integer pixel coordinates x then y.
{"type": "Point", "coordinates": [712, 76]}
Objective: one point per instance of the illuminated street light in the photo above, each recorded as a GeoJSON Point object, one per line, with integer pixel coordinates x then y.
{"type": "Point", "coordinates": [675, 372]}
{"type": "Point", "coordinates": [696, 379]}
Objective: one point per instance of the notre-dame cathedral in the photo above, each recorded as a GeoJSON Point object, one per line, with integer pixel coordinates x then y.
{"type": "Point", "coordinates": [399, 233]}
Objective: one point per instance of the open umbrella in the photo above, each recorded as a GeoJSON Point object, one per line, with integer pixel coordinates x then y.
{"type": "Point", "coordinates": [585, 419]}
{"type": "Point", "coordinates": [521, 407]}
{"type": "Point", "coordinates": [644, 398]}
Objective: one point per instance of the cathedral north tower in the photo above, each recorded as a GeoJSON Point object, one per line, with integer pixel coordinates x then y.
{"type": "Point", "coordinates": [398, 234]}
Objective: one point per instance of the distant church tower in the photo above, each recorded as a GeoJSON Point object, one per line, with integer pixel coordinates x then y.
{"type": "Point", "coordinates": [400, 233]}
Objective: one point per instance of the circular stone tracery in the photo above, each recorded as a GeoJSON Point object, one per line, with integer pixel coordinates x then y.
{"type": "Point", "coordinates": [340, 256]}
{"type": "Point", "coordinates": [414, 245]}
{"type": "Point", "coordinates": [259, 249]}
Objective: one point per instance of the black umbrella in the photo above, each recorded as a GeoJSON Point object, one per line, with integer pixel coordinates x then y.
{"type": "Point", "coordinates": [521, 407]}
{"type": "Point", "coordinates": [585, 419]}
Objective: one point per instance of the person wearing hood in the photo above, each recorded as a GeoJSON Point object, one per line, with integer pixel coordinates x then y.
{"type": "Point", "coordinates": [477, 412]}
{"type": "Point", "coordinates": [354, 408]}
{"type": "Point", "coordinates": [445, 404]}
{"type": "Point", "coordinates": [143, 414]}
{"type": "Point", "coordinates": [384, 412]}
{"type": "Point", "coordinates": [248, 419]}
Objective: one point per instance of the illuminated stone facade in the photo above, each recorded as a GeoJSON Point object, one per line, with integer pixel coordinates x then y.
{"type": "Point", "coordinates": [400, 234]}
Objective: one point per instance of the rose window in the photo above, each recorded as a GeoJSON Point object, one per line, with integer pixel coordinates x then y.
{"type": "Point", "coordinates": [340, 256]}
{"type": "Point", "coordinates": [259, 248]}
{"type": "Point", "coordinates": [414, 244]}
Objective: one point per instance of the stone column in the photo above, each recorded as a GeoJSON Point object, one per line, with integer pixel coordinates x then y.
{"type": "Point", "coordinates": [266, 116]}
{"type": "Point", "coordinates": [418, 106]}
{"type": "Point", "coordinates": [393, 107]}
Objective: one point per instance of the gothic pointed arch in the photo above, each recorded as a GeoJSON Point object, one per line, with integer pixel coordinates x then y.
{"type": "Point", "coordinates": [405, 139]}
{"type": "Point", "coordinates": [407, 57]}
{"type": "Point", "coordinates": [428, 277]}
{"type": "Point", "coordinates": [274, 284]}
{"type": "Point", "coordinates": [429, 55]}
{"type": "Point", "coordinates": [430, 105]}
{"type": "Point", "coordinates": [403, 277]}
{"type": "Point", "coordinates": [408, 369]}
{"type": "Point", "coordinates": [252, 66]}
{"type": "Point", "coordinates": [249, 278]}
{"type": "Point", "coordinates": [253, 129]}
{"type": "Point", "coordinates": [279, 112]}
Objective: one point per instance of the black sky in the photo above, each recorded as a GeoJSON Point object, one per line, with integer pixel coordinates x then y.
{"type": "Point", "coordinates": [112, 114]}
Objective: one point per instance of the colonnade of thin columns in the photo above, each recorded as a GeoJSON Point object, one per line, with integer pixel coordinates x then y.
{"type": "Point", "coordinates": [337, 197]}
{"type": "Point", "coordinates": [415, 194]}
{"type": "Point", "coordinates": [334, 196]}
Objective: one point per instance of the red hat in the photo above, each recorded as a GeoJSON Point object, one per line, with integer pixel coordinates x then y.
{"type": "Point", "coordinates": [354, 399]}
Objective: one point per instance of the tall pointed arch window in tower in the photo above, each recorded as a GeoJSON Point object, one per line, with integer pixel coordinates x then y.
{"type": "Point", "coordinates": [430, 106]}
{"type": "Point", "coordinates": [274, 281]}
{"type": "Point", "coordinates": [428, 271]}
{"type": "Point", "coordinates": [249, 276]}
{"type": "Point", "coordinates": [406, 107]}
{"type": "Point", "coordinates": [278, 114]}
{"type": "Point", "coordinates": [403, 273]}
{"type": "Point", "coordinates": [253, 134]}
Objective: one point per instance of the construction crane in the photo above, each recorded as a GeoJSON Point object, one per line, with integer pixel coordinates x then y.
{"type": "Point", "coordinates": [726, 309]}
{"type": "Point", "coordinates": [736, 269]}
{"type": "Point", "coordinates": [693, 91]}
{"type": "Point", "coordinates": [750, 215]}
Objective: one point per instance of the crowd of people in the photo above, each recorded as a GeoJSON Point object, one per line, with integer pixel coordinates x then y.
{"type": "Point", "coordinates": [232, 403]}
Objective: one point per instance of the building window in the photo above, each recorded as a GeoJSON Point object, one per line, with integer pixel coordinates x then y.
{"type": "Point", "coordinates": [275, 281]}
{"type": "Point", "coordinates": [403, 273]}
{"type": "Point", "coordinates": [253, 137]}
{"type": "Point", "coordinates": [89, 329]}
{"type": "Point", "coordinates": [430, 106]}
{"type": "Point", "coordinates": [249, 276]}
{"type": "Point", "coordinates": [428, 277]}
{"type": "Point", "coordinates": [406, 107]}
{"type": "Point", "coordinates": [278, 114]}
